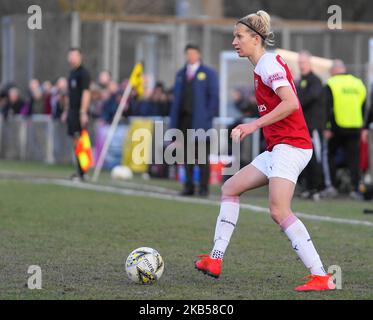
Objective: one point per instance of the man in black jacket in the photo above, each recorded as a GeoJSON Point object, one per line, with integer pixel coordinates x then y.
{"type": "Point", "coordinates": [76, 114]}
{"type": "Point", "coordinates": [309, 91]}
{"type": "Point", "coordinates": [368, 119]}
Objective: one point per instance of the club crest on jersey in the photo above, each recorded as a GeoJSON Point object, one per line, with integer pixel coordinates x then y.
{"type": "Point", "coordinates": [262, 108]}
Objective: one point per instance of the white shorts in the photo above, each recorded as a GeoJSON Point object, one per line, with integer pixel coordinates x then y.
{"type": "Point", "coordinates": [284, 161]}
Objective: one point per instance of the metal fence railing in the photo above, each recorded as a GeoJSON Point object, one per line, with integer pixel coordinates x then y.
{"type": "Point", "coordinates": [34, 139]}
{"type": "Point", "coordinates": [42, 139]}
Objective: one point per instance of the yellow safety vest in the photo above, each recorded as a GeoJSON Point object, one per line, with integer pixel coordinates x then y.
{"type": "Point", "coordinates": [349, 94]}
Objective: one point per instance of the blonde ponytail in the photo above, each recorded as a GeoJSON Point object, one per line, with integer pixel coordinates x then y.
{"type": "Point", "coordinates": [260, 23]}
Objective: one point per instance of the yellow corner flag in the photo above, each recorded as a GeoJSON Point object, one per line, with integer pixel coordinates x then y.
{"type": "Point", "coordinates": [137, 80]}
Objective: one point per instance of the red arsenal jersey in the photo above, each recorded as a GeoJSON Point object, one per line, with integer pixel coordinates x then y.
{"type": "Point", "coordinates": [270, 74]}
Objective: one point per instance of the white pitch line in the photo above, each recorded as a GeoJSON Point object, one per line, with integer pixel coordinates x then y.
{"type": "Point", "coordinates": [159, 196]}
{"type": "Point", "coordinates": [162, 196]}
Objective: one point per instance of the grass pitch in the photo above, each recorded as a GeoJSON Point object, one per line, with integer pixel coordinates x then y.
{"type": "Point", "coordinates": [81, 238]}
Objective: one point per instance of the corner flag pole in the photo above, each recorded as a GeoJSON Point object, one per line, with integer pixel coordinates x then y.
{"type": "Point", "coordinates": [113, 127]}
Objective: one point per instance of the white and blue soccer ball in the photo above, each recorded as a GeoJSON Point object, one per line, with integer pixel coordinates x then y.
{"type": "Point", "coordinates": [144, 266]}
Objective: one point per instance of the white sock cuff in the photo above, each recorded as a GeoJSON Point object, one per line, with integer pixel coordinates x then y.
{"type": "Point", "coordinates": [230, 199]}
{"type": "Point", "coordinates": [288, 222]}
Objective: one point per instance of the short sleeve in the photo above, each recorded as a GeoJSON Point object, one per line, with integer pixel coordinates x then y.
{"type": "Point", "coordinates": [86, 80]}
{"type": "Point", "coordinates": [273, 74]}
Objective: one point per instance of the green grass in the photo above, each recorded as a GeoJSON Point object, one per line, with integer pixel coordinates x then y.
{"type": "Point", "coordinates": [81, 238]}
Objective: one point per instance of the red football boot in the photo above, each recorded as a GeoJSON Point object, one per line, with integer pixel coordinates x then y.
{"type": "Point", "coordinates": [318, 283]}
{"type": "Point", "coordinates": [209, 266]}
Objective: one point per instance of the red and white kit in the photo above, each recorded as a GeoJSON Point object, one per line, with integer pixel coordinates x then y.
{"type": "Point", "coordinates": [288, 153]}
{"type": "Point", "coordinates": [270, 74]}
{"type": "Point", "coordinates": [289, 145]}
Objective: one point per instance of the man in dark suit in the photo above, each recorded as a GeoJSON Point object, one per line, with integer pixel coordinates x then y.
{"type": "Point", "coordinates": [196, 103]}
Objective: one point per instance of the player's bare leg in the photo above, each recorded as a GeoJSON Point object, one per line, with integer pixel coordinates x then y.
{"type": "Point", "coordinates": [248, 178]}
{"type": "Point", "coordinates": [281, 192]}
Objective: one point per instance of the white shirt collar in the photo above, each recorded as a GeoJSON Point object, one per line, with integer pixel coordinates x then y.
{"type": "Point", "coordinates": [194, 67]}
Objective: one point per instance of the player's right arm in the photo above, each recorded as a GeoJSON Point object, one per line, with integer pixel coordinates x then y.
{"type": "Point", "coordinates": [289, 104]}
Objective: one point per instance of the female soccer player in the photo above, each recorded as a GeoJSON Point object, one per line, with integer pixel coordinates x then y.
{"type": "Point", "coordinates": [289, 149]}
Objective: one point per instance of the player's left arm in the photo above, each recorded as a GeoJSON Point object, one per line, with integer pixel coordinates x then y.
{"type": "Point", "coordinates": [86, 100]}
{"type": "Point", "coordinates": [84, 108]}
{"type": "Point", "coordinates": [289, 104]}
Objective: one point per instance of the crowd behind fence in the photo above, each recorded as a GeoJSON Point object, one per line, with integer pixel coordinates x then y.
{"type": "Point", "coordinates": [40, 138]}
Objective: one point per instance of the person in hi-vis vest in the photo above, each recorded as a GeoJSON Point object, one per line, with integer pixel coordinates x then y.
{"type": "Point", "coordinates": [345, 98]}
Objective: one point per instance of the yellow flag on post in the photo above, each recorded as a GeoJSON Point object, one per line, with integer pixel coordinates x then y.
{"type": "Point", "coordinates": [137, 80]}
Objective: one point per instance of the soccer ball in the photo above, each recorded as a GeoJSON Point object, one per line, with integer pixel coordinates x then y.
{"type": "Point", "coordinates": [144, 266]}
{"type": "Point", "coordinates": [121, 173]}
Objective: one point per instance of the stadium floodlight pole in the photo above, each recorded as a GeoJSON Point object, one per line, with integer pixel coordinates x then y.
{"type": "Point", "coordinates": [113, 127]}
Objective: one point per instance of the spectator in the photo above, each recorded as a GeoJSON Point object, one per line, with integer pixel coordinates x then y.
{"type": "Point", "coordinates": [345, 97]}
{"type": "Point", "coordinates": [245, 102]}
{"type": "Point", "coordinates": [154, 103]}
{"type": "Point", "coordinates": [35, 99]}
{"type": "Point", "coordinates": [96, 106]}
{"type": "Point", "coordinates": [14, 103]}
{"type": "Point", "coordinates": [159, 100]}
{"type": "Point", "coordinates": [110, 105]}
{"type": "Point", "coordinates": [59, 98]}
{"type": "Point", "coordinates": [47, 95]}
{"type": "Point", "coordinates": [104, 79]}
{"type": "Point", "coordinates": [309, 92]}
{"type": "Point", "coordinates": [141, 106]}
{"type": "Point", "coordinates": [3, 97]}
{"type": "Point", "coordinates": [196, 103]}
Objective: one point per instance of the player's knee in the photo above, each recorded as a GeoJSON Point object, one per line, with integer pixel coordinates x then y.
{"type": "Point", "coordinates": [227, 189]}
{"type": "Point", "coordinates": [276, 212]}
